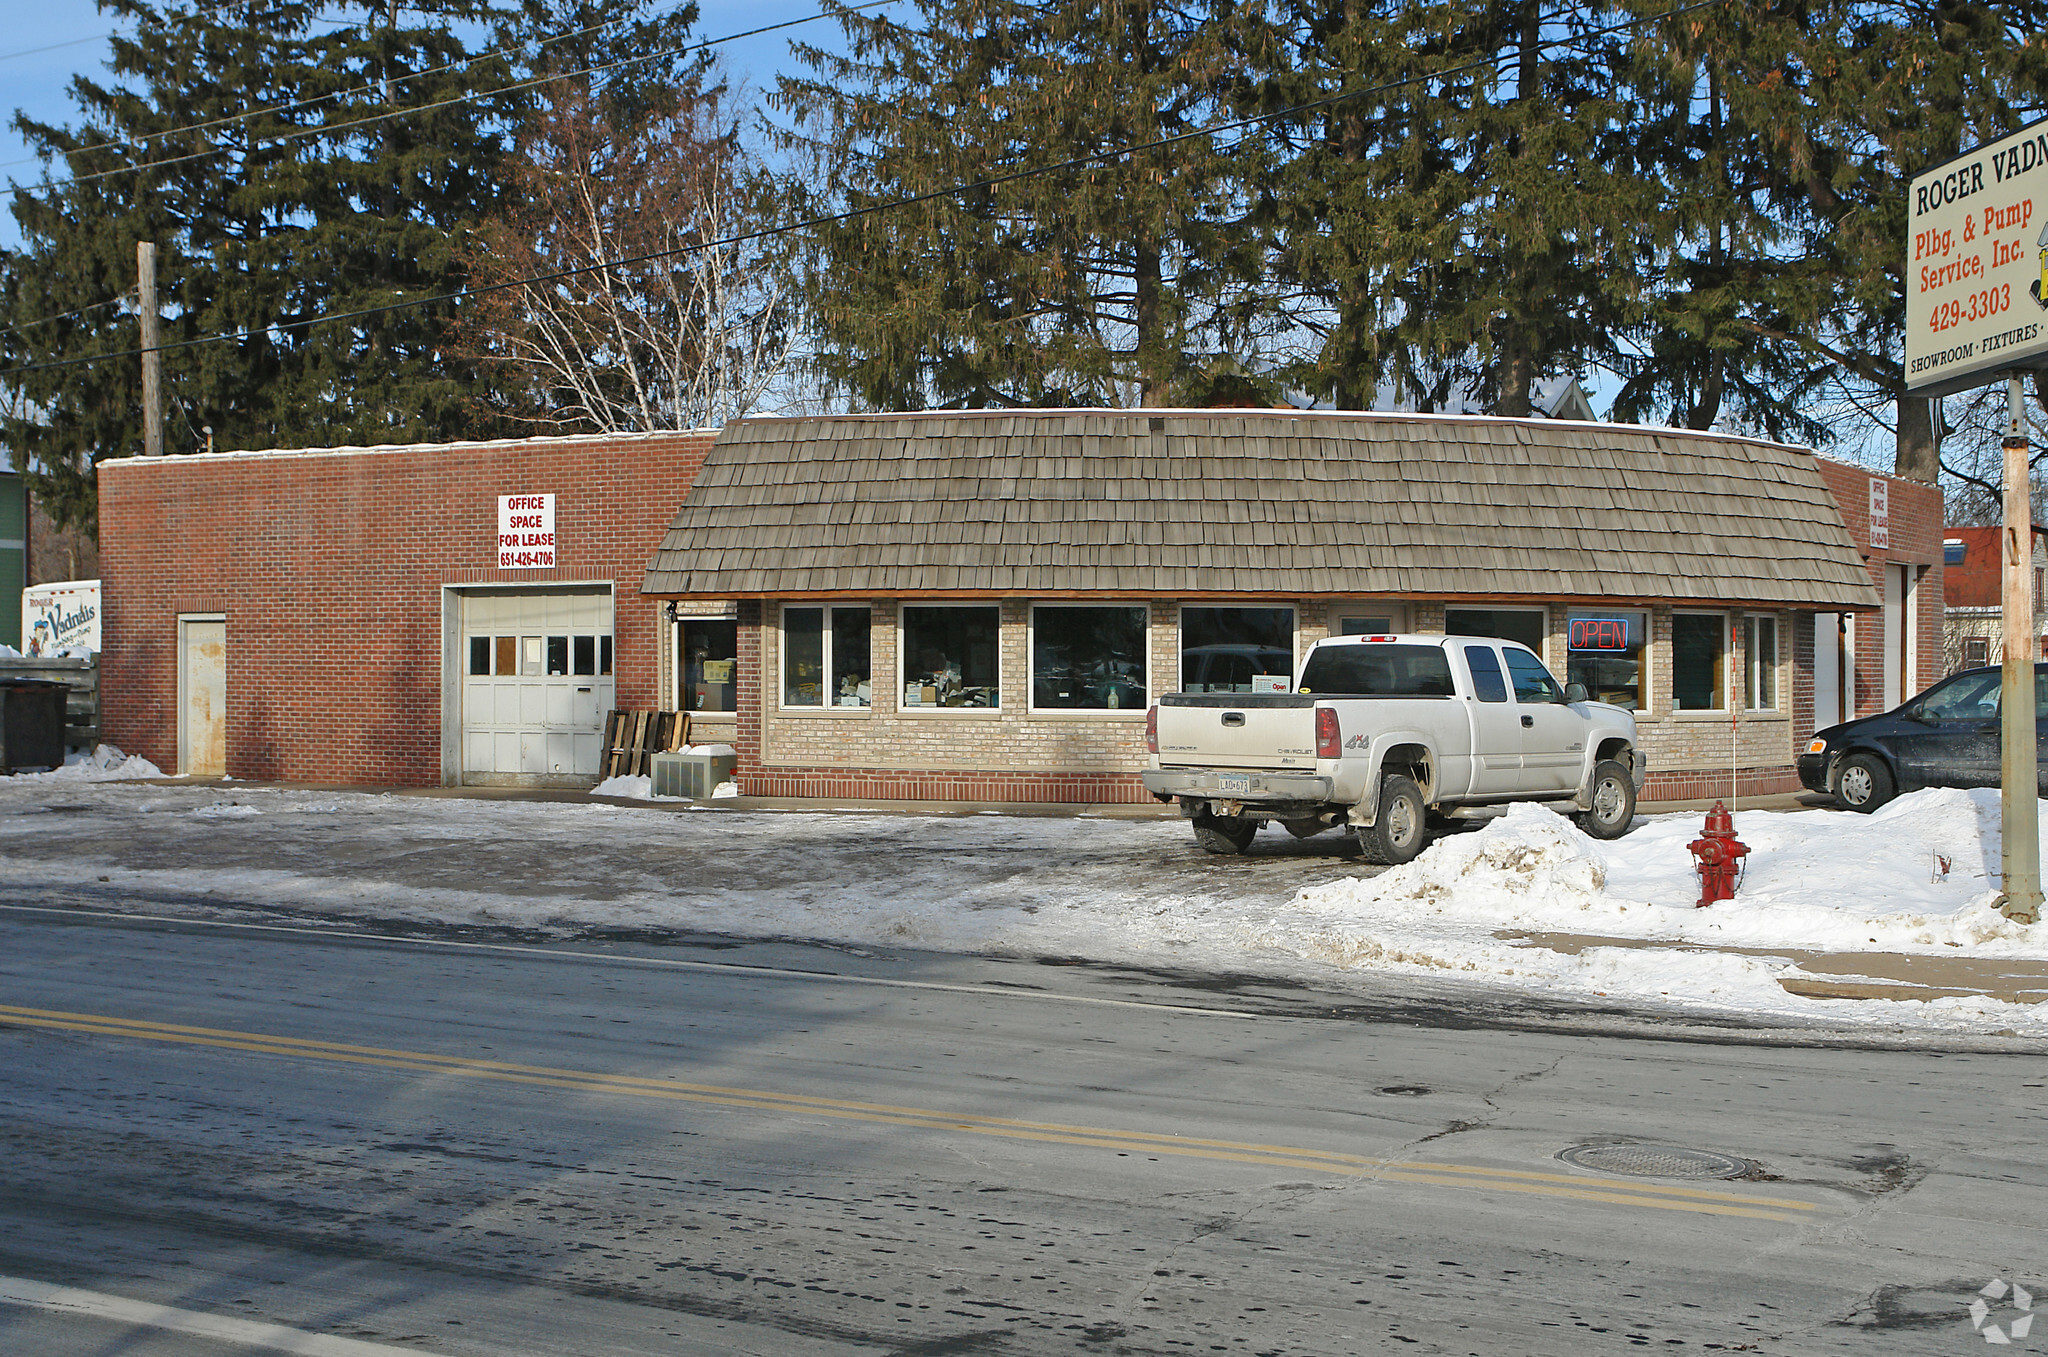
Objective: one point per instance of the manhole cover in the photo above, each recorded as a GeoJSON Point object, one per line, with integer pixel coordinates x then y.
{"type": "Point", "coordinates": [1654, 1161]}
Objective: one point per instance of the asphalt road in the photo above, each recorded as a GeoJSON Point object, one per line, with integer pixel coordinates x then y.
{"type": "Point", "coordinates": [636, 1148]}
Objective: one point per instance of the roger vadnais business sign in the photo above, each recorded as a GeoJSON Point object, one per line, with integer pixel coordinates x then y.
{"type": "Point", "coordinates": [1977, 265]}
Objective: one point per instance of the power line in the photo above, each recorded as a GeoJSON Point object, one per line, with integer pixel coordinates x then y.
{"type": "Point", "coordinates": [767, 233]}
{"type": "Point", "coordinates": [21, 325]}
{"type": "Point", "coordinates": [55, 46]}
{"type": "Point", "coordinates": [338, 95]}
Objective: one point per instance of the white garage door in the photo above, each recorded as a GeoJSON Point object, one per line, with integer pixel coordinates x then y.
{"type": "Point", "coordinates": [536, 685]}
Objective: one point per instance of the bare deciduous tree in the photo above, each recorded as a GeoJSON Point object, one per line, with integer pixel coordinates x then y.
{"type": "Point", "coordinates": [648, 312]}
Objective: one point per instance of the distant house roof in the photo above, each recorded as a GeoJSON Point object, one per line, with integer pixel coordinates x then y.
{"type": "Point", "coordinates": [1973, 582]}
{"type": "Point", "coordinates": [1149, 503]}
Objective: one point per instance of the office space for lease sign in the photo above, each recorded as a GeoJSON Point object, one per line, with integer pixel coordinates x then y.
{"type": "Point", "coordinates": [1977, 265]}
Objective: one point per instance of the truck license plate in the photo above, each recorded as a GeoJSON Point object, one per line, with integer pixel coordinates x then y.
{"type": "Point", "coordinates": [1234, 784]}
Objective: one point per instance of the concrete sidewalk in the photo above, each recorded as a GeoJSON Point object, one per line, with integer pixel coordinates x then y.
{"type": "Point", "coordinates": [1846, 975]}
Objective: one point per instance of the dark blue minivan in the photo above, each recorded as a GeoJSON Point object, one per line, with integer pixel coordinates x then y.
{"type": "Point", "coordinates": [1945, 737]}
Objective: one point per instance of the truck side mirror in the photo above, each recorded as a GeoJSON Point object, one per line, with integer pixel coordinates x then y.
{"type": "Point", "coordinates": [1574, 692]}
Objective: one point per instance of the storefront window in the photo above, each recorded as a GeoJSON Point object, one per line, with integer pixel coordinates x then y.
{"type": "Point", "coordinates": [1604, 653]}
{"type": "Point", "coordinates": [1236, 650]}
{"type": "Point", "coordinates": [1762, 643]}
{"type": "Point", "coordinates": [1699, 662]}
{"type": "Point", "coordinates": [708, 652]}
{"type": "Point", "coordinates": [1508, 624]}
{"type": "Point", "coordinates": [1091, 659]}
{"type": "Point", "coordinates": [950, 657]}
{"type": "Point", "coordinates": [825, 666]}
{"type": "Point", "coordinates": [1367, 619]}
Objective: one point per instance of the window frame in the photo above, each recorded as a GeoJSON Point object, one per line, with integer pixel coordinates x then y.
{"type": "Point", "coordinates": [1752, 670]}
{"type": "Point", "coordinates": [1137, 713]}
{"type": "Point", "coordinates": [1180, 637]}
{"type": "Point", "coordinates": [831, 709]}
{"type": "Point", "coordinates": [902, 650]}
{"type": "Point", "coordinates": [1398, 611]}
{"type": "Point", "coordinates": [1727, 641]}
{"type": "Point", "coordinates": [678, 663]}
{"type": "Point", "coordinates": [1645, 670]}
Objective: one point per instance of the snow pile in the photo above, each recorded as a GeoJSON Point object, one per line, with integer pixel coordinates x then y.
{"type": "Point", "coordinates": [104, 764]}
{"type": "Point", "coordinates": [1818, 881]}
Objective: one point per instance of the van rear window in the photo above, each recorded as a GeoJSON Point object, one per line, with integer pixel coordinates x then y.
{"type": "Point", "coordinates": [1378, 671]}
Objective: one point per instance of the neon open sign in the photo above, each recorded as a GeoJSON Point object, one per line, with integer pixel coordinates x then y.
{"type": "Point", "coordinates": [1602, 633]}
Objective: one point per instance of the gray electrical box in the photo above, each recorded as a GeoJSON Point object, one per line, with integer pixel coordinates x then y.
{"type": "Point", "coordinates": [691, 775]}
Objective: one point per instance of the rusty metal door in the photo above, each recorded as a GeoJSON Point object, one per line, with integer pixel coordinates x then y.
{"type": "Point", "coordinates": [202, 696]}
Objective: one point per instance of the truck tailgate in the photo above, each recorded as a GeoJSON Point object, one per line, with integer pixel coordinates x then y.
{"type": "Point", "coordinates": [1237, 730]}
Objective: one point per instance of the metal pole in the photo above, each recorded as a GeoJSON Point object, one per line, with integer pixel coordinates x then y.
{"type": "Point", "coordinates": [152, 356]}
{"type": "Point", "coordinates": [2019, 813]}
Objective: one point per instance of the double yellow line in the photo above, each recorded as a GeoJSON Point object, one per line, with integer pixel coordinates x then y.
{"type": "Point", "coordinates": [1703, 1201]}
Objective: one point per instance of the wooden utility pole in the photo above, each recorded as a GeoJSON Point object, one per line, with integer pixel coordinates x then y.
{"type": "Point", "coordinates": [152, 356]}
{"type": "Point", "coordinates": [2019, 807]}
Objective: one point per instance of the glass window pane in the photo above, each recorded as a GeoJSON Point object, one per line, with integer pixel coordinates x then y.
{"type": "Point", "coordinates": [586, 654]}
{"type": "Point", "coordinates": [1373, 624]}
{"type": "Point", "coordinates": [710, 653]}
{"type": "Point", "coordinates": [558, 654]}
{"type": "Point", "coordinates": [1508, 624]}
{"type": "Point", "coordinates": [803, 657]}
{"type": "Point", "coordinates": [1236, 650]}
{"type": "Point", "coordinates": [508, 655]}
{"type": "Point", "coordinates": [1604, 652]}
{"type": "Point", "coordinates": [950, 657]}
{"type": "Point", "coordinates": [1698, 663]}
{"type": "Point", "coordinates": [529, 655]}
{"type": "Point", "coordinates": [1091, 659]}
{"type": "Point", "coordinates": [479, 654]}
{"type": "Point", "coordinates": [1763, 663]}
{"type": "Point", "coordinates": [1973, 697]}
{"type": "Point", "coordinates": [1488, 683]}
{"type": "Point", "coordinates": [1532, 681]}
{"type": "Point", "coordinates": [604, 655]}
{"type": "Point", "coordinates": [850, 685]}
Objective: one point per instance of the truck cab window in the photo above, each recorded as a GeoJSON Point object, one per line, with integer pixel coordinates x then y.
{"type": "Point", "coordinates": [1533, 682]}
{"type": "Point", "coordinates": [1487, 681]}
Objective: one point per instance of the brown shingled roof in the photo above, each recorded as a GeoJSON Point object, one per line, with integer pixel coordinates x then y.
{"type": "Point", "coordinates": [1297, 504]}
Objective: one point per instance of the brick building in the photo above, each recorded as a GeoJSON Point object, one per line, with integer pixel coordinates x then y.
{"type": "Point", "coordinates": [1973, 598]}
{"type": "Point", "coordinates": [979, 605]}
{"type": "Point", "coordinates": [343, 614]}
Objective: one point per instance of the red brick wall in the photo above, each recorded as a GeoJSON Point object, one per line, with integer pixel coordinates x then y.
{"type": "Point", "coordinates": [328, 566]}
{"type": "Point", "coordinates": [1916, 533]}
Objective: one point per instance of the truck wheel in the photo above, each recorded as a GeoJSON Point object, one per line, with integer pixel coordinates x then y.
{"type": "Point", "coordinates": [1228, 834]}
{"type": "Point", "coordinates": [1401, 829]}
{"type": "Point", "coordinates": [1613, 801]}
{"type": "Point", "coordinates": [1864, 783]}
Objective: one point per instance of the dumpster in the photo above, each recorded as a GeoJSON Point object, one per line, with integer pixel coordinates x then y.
{"type": "Point", "coordinates": [31, 724]}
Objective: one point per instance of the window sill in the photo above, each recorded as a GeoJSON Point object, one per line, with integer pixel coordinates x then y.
{"type": "Point", "coordinates": [1091, 713]}
{"type": "Point", "coordinates": [839, 712]}
{"type": "Point", "coordinates": [949, 713]}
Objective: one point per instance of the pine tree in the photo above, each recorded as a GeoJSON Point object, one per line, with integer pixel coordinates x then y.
{"type": "Point", "coordinates": [1115, 280]}
{"type": "Point", "coordinates": [256, 150]}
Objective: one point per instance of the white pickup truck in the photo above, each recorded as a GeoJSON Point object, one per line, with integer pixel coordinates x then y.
{"type": "Point", "coordinates": [1383, 732]}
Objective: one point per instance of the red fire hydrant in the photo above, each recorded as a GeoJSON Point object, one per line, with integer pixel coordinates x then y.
{"type": "Point", "coordinates": [1717, 856]}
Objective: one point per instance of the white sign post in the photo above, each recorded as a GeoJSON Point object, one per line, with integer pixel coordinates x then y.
{"type": "Point", "coordinates": [1976, 309]}
{"type": "Point", "coordinates": [526, 532]}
